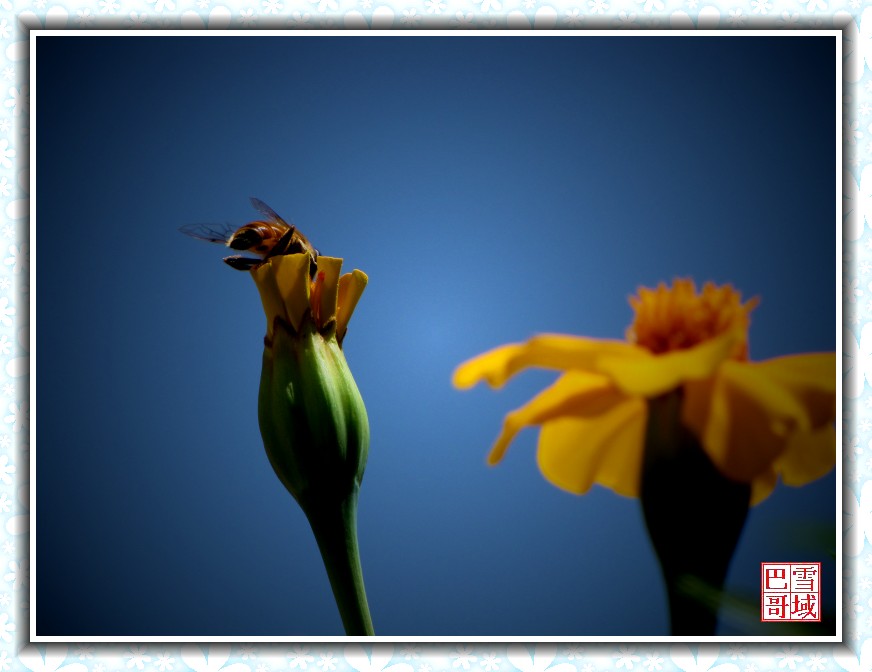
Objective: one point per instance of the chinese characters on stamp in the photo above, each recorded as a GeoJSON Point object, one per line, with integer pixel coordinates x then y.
{"type": "Point", "coordinates": [790, 591]}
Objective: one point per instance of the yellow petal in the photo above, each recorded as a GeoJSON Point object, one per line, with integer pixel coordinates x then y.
{"type": "Point", "coordinates": [749, 416]}
{"type": "Point", "coordinates": [574, 393]}
{"type": "Point", "coordinates": [811, 378]}
{"type": "Point", "coordinates": [605, 447]}
{"type": "Point", "coordinates": [273, 306]}
{"type": "Point", "coordinates": [808, 456]}
{"type": "Point", "coordinates": [292, 279]}
{"type": "Point", "coordinates": [351, 286]}
{"type": "Point", "coordinates": [330, 267]}
{"type": "Point", "coordinates": [655, 375]}
{"type": "Point", "coordinates": [762, 486]}
{"type": "Point", "coordinates": [550, 351]}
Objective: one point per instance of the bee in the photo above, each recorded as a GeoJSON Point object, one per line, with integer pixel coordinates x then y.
{"type": "Point", "coordinates": [267, 237]}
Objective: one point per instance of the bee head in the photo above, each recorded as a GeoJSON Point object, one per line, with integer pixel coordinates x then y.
{"type": "Point", "coordinates": [245, 239]}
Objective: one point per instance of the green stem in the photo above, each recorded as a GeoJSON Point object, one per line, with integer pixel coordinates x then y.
{"type": "Point", "coordinates": [694, 516]}
{"type": "Point", "coordinates": [334, 523]}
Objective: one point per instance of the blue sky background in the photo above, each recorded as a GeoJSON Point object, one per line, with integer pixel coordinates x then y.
{"type": "Point", "coordinates": [492, 188]}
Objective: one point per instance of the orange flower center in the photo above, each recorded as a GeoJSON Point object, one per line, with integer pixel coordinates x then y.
{"type": "Point", "coordinates": [678, 318]}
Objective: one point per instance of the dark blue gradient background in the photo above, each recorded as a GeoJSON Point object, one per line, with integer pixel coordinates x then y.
{"type": "Point", "coordinates": [492, 187]}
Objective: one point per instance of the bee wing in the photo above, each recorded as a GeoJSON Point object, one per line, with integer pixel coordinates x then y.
{"type": "Point", "coordinates": [213, 233]}
{"type": "Point", "coordinates": [268, 212]}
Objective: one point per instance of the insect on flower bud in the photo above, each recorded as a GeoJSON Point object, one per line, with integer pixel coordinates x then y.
{"type": "Point", "coordinates": [311, 415]}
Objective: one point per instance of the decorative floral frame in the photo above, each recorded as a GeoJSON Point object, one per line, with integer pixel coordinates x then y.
{"type": "Point", "coordinates": [853, 17]}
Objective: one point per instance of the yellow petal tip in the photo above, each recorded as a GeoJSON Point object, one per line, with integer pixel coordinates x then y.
{"type": "Point", "coordinates": [461, 378]}
{"type": "Point", "coordinates": [497, 453]}
{"type": "Point", "coordinates": [351, 286]}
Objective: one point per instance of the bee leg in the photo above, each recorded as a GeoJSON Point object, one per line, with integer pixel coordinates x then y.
{"type": "Point", "coordinates": [241, 263]}
{"type": "Point", "coordinates": [281, 247]}
{"type": "Point", "coordinates": [292, 246]}
{"type": "Point", "coordinates": [288, 245]}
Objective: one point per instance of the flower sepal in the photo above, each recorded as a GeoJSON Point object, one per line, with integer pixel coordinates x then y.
{"type": "Point", "coordinates": [312, 417]}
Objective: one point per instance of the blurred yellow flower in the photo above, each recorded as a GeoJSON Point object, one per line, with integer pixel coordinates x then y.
{"type": "Point", "coordinates": [756, 421]}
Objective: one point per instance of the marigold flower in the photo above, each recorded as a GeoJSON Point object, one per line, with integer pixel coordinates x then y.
{"type": "Point", "coordinates": [311, 415]}
{"type": "Point", "coordinates": [756, 421]}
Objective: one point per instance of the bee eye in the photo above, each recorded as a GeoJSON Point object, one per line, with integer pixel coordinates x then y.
{"type": "Point", "coordinates": [245, 239]}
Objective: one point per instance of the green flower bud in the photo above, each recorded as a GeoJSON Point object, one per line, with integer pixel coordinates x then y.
{"type": "Point", "coordinates": [311, 415]}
